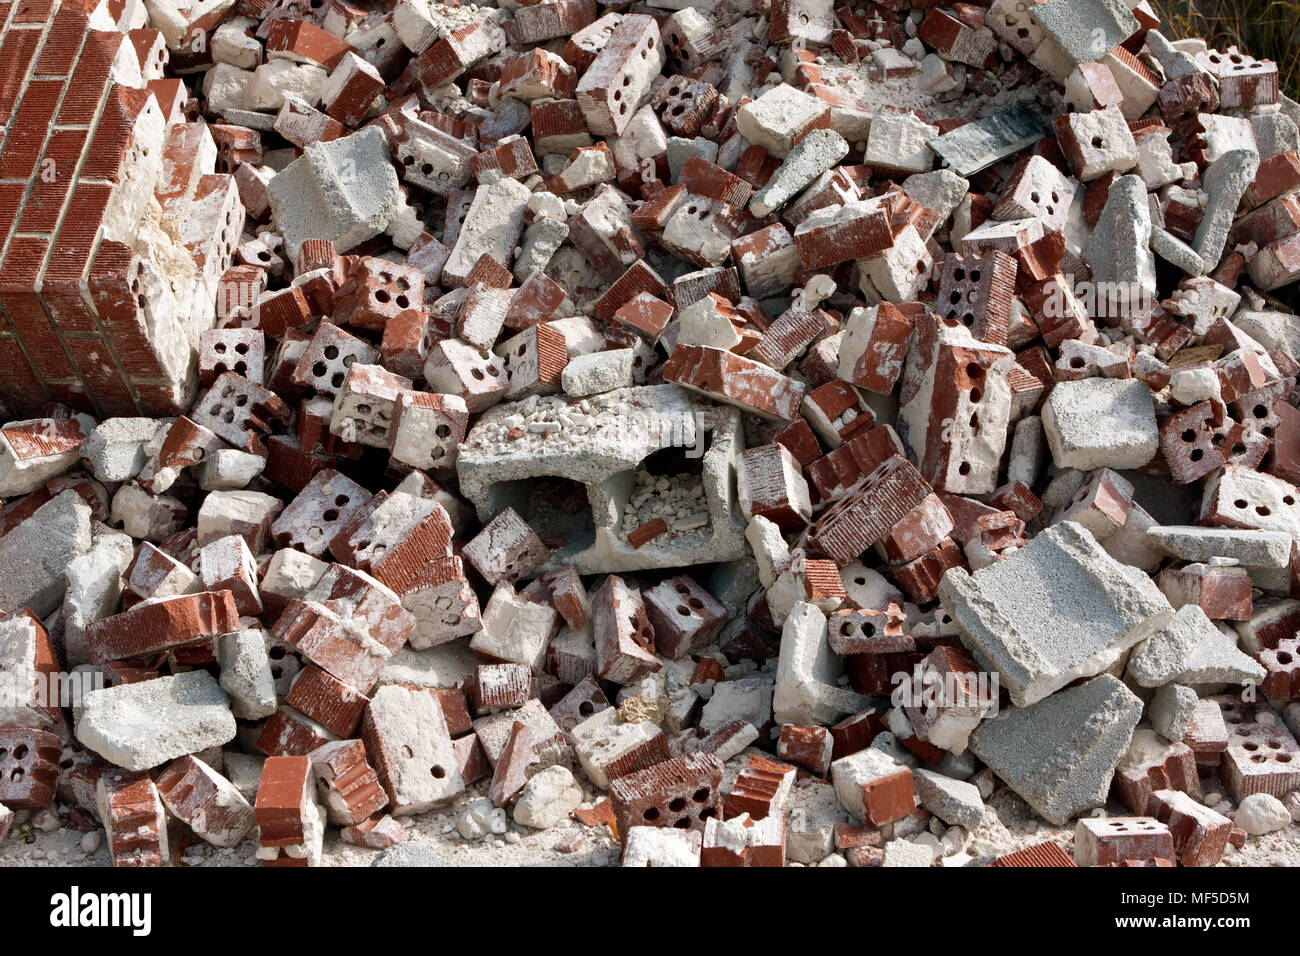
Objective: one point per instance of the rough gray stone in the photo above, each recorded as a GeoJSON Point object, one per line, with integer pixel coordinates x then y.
{"type": "Point", "coordinates": [1189, 649]}
{"type": "Point", "coordinates": [345, 190]}
{"type": "Point", "coordinates": [1058, 609]}
{"type": "Point", "coordinates": [115, 450]}
{"type": "Point", "coordinates": [1060, 753]}
{"type": "Point", "coordinates": [817, 152]}
{"type": "Point", "coordinates": [138, 726]}
{"type": "Point", "coordinates": [1224, 182]}
{"type": "Point", "coordinates": [1248, 547]}
{"type": "Point", "coordinates": [246, 674]}
{"type": "Point", "coordinates": [952, 801]}
{"type": "Point", "coordinates": [1101, 423]}
{"type": "Point", "coordinates": [1171, 711]}
{"type": "Point", "coordinates": [36, 554]}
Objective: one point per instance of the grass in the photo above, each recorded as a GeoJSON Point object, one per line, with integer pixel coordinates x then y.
{"type": "Point", "coordinates": [1264, 29]}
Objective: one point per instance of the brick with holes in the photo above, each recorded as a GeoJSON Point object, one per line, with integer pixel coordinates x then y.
{"type": "Point", "coordinates": [226, 564]}
{"type": "Point", "coordinates": [29, 767]}
{"type": "Point", "coordinates": [625, 638]}
{"type": "Point", "coordinates": [619, 78]}
{"type": "Point", "coordinates": [685, 617]}
{"type": "Point", "coordinates": [231, 350]}
{"type": "Point", "coordinates": [324, 506]}
{"type": "Point", "coordinates": [239, 411]}
{"type": "Point", "coordinates": [331, 353]}
{"type": "Point", "coordinates": [682, 792]}
{"type": "Point", "coordinates": [443, 603]}
{"type": "Point", "coordinates": [978, 292]}
{"type": "Point", "coordinates": [1262, 754]}
{"type": "Point", "coordinates": [1102, 841]}
{"type": "Point", "coordinates": [868, 631]}
{"type": "Point", "coordinates": [535, 360]}
{"type": "Point", "coordinates": [394, 537]}
{"type": "Point", "coordinates": [364, 404]}
{"type": "Point", "coordinates": [410, 747]}
{"type": "Point", "coordinates": [427, 429]}
{"type": "Point", "coordinates": [349, 624]}
{"type": "Point", "coordinates": [476, 375]}
{"type": "Point", "coordinates": [375, 292]}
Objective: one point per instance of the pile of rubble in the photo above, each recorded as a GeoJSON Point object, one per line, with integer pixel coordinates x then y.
{"type": "Point", "coordinates": [763, 430]}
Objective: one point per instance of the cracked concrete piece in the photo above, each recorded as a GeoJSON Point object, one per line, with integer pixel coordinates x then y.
{"type": "Point", "coordinates": [1264, 549]}
{"type": "Point", "coordinates": [1189, 649]}
{"type": "Point", "coordinates": [1171, 711]}
{"type": "Point", "coordinates": [955, 802]}
{"type": "Point", "coordinates": [142, 725]}
{"type": "Point", "coordinates": [817, 152]}
{"type": "Point", "coordinates": [610, 435]}
{"type": "Point", "coordinates": [807, 670]}
{"type": "Point", "coordinates": [1100, 422]}
{"type": "Point", "coordinates": [36, 554]}
{"type": "Point", "coordinates": [246, 674]}
{"type": "Point", "coordinates": [1058, 609]}
{"type": "Point", "coordinates": [344, 190]}
{"type": "Point", "coordinates": [1060, 753]}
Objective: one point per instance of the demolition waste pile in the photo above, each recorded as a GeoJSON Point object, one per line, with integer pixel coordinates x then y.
{"type": "Point", "coordinates": [739, 433]}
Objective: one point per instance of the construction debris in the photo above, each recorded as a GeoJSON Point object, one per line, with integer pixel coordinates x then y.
{"type": "Point", "coordinates": [614, 433]}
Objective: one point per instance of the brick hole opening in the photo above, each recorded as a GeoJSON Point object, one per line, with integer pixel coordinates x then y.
{"type": "Point", "coordinates": [651, 814]}
{"type": "Point", "coordinates": [586, 708]}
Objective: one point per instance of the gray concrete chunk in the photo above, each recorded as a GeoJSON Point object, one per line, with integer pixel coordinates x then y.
{"type": "Point", "coordinates": [1058, 609]}
{"type": "Point", "coordinates": [1189, 649]}
{"type": "Point", "coordinates": [1101, 422]}
{"type": "Point", "coordinates": [1248, 547]}
{"type": "Point", "coordinates": [1060, 753]}
{"type": "Point", "coordinates": [344, 190]}
{"type": "Point", "coordinates": [952, 801]}
{"type": "Point", "coordinates": [138, 726]}
{"type": "Point", "coordinates": [246, 674]}
{"type": "Point", "coordinates": [35, 555]}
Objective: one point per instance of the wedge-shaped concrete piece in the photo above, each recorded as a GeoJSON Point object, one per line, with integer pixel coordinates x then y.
{"type": "Point", "coordinates": [1189, 649]}
{"type": "Point", "coordinates": [1058, 609]}
{"type": "Point", "coordinates": [1060, 753]}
